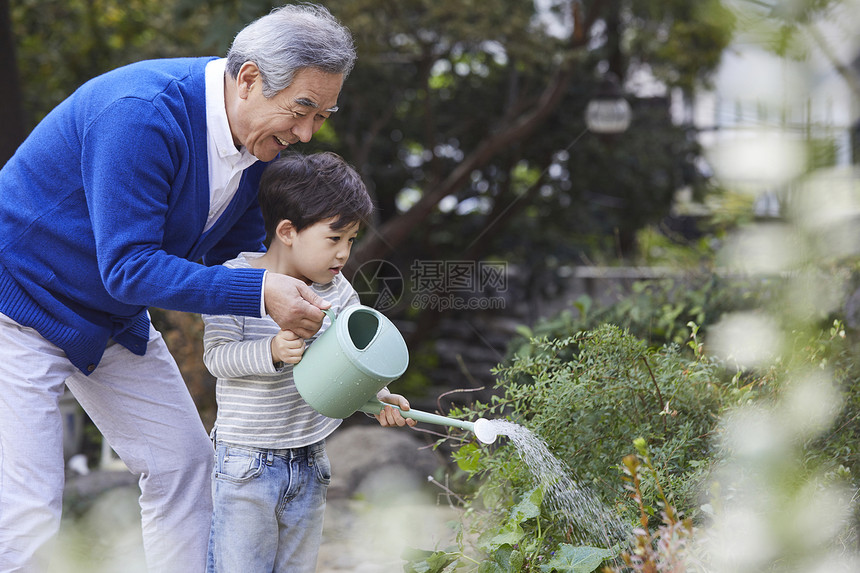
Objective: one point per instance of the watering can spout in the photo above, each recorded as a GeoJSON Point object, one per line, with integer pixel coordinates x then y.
{"type": "Point", "coordinates": [482, 428]}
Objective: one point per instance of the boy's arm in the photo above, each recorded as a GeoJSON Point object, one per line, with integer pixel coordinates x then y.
{"type": "Point", "coordinates": [226, 352]}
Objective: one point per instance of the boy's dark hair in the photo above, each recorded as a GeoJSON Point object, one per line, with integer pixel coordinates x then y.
{"type": "Point", "coordinates": [307, 189]}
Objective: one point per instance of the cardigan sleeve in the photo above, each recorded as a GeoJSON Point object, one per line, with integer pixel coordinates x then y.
{"type": "Point", "coordinates": [143, 194]}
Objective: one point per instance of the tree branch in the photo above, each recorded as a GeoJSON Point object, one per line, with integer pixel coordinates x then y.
{"type": "Point", "coordinates": [391, 233]}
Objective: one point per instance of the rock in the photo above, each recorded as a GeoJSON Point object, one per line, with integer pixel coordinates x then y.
{"type": "Point", "coordinates": [852, 309]}
{"type": "Point", "coordinates": [379, 500]}
{"type": "Point", "coordinates": [363, 537]}
{"type": "Point", "coordinates": [88, 487]}
{"type": "Point", "coordinates": [375, 462]}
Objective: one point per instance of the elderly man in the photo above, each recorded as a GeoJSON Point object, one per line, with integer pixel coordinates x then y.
{"type": "Point", "coordinates": [129, 194]}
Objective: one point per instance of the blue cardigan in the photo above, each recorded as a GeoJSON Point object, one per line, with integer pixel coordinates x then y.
{"type": "Point", "coordinates": [102, 211]}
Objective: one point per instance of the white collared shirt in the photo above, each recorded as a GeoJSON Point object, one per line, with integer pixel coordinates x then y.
{"type": "Point", "coordinates": [226, 163]}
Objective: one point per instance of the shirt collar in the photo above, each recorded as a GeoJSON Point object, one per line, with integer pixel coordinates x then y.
{"type": "Point", "coordinates": [216, 115]}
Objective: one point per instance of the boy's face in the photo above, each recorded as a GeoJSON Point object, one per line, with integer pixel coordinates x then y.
{"type": "Point", "coordinates": [320, 252]}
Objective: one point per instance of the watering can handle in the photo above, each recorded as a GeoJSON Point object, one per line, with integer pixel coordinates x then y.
{"type": "Point", "coordinates": [330, 314]}
{"type": "Point", "coordinates": [375, 406]}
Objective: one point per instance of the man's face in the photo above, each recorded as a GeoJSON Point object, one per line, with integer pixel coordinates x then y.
{"type": "Point", "coordinates": [267, 126]}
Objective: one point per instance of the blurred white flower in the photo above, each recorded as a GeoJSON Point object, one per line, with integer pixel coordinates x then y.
{"type": "Point", "coordinates": [761, 249]}
{"type": "Point", "coordinates": [740, 541]}
{"type": "Point", "coordinates": [810, 405]}
{"type": "Point", "coordinates": [752, 433]}
{"type": "Point", "coordinates": [815, 515]}
{"type": "Point", "coordinates": [759, 161]}
{"type": "Point", "coordinates": [746, 339]}
{"type": "Point", "coordinates": [827, 205]}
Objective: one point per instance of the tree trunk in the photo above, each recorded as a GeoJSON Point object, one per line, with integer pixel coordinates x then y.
{"type": "Point", "coordinates": [11, 112]}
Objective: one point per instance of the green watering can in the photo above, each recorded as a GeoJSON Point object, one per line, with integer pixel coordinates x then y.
{"type": "Point", "coordinates": [356, 357]}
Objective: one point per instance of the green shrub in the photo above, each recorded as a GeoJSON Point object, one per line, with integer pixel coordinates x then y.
{"type": "Point", "coordinates": [589, 394]}
{"type": "Point", "coordinates": [588, 397]}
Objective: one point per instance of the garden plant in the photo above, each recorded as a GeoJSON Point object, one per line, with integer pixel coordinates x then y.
{"type": "Point", "coordinates": [647, 431]}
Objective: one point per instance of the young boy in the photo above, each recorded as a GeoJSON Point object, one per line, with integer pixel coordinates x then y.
{"type": "Point", "coordinates": [271, 469]}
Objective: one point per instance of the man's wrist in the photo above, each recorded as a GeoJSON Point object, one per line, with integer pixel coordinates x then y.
{"type": "Point", "coordinates": [263, 294]}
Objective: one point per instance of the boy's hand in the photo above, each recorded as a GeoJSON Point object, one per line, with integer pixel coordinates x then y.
{"type": "Point", "coordinates": [391, 416]}
{"type": "Point", "coordinates": [287, 347]}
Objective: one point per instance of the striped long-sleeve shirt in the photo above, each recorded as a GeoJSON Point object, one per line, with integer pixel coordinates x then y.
{"type": "Point", "coordinates": [258, 404]}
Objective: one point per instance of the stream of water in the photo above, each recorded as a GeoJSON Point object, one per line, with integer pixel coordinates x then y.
{"type": "Point", "coordinates": [588, 518]}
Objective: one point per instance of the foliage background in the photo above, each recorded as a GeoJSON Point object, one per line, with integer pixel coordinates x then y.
{"type": "Point", "coordinates": [464, 118]}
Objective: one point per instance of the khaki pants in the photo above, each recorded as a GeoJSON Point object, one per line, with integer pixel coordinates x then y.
{"type": "Point", "coordinates": [142, 407]}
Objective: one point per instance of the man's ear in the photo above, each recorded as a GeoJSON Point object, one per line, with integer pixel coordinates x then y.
{"type": "Point", "coordinates": [248, 75]}
{"type": "Point", "coordinates": [286, 232]}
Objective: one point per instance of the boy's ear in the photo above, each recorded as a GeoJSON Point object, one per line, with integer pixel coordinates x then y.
{"type": "Point", "coordinates": [285, 232]}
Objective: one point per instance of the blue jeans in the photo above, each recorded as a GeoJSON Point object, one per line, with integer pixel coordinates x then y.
{"type": "Point", "coordinates": [268, 508]}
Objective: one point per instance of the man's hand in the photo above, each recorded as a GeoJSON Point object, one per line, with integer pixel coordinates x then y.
{"type": "Point", "coordinates": [293, 305]}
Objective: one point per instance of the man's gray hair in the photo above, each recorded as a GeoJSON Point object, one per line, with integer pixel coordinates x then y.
{"type": "Point", "coordinates": [289, 39]}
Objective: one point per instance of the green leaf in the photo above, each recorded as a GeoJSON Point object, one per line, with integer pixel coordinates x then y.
{"type": "Point", "coordinates": [510, 559]}
{"type": "Point", "coordinates": [510, 534]}
{"type": "Point", "coordinates": [583, 304]}
{"type": "Point", "coordinates": [490, 567]}
{"type": "Point", "coordinates": [432, 562]}
{"type": "Point", "coordinates": [576, 559]}
{"type": "Point", "coordinates": [528, 508]}
{"type": "Point", "coordinates": [468, 457]}
{"type": "Point", "coordinates": [505, 559]}
{"type": "Point", "coordinates": [524, 331]}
